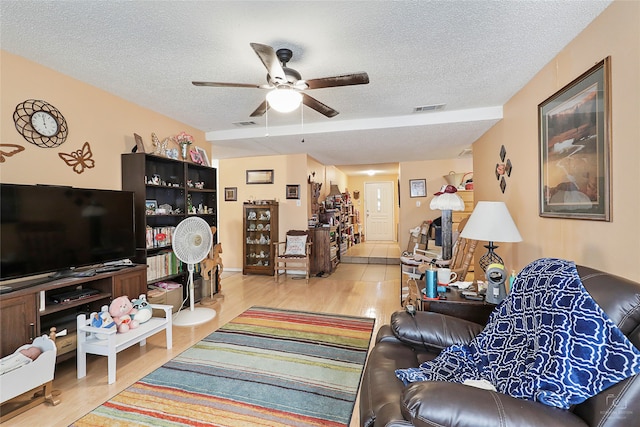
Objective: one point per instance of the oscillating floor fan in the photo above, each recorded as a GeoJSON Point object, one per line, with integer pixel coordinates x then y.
{"type": "Point", "coordinates": [192, 240]}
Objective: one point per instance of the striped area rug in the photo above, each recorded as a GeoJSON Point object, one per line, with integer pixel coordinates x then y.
{"type": "Point", "coordinates": [267, 367]}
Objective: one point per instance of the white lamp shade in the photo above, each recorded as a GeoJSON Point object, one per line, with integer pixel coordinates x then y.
{"type": "Point", "coordinates": [491, 222]}
{"type": "Point", "coordinates": [447, 201]}
{"type": "Point", "coordinates": [284, 100]}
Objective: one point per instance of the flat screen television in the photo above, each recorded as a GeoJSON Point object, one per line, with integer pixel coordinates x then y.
{"type": "Point", "coordinates": [51, 229]}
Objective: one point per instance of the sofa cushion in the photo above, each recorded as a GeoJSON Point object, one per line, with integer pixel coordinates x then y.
{"type": "Point", "coordinates": [432, 331]}
{"type": "Point", "coordinates": [437, 403]}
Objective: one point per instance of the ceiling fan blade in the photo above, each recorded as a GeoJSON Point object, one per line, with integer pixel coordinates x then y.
{"type": "Point", "coordinates": [219, 84]}
{"type": "Point", "coordinates": [268, 57]}
{"type": "Point", "coordinates": [318, 106]}
{"type": "Point", "coordinates": [262, 108]}
{"type": "Point", "coordinates": [344, 80]}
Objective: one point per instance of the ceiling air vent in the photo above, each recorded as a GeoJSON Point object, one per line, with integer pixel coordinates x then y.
{"type": "Point", "coordinates": [247, 123]}
{"type": "Point", "coordinates": [428, 108]}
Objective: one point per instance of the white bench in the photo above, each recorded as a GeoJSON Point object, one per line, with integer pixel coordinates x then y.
{"type": "Point", "coordinates": [114, 343]}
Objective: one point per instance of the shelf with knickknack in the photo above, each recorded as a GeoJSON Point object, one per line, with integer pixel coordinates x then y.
{"type": "Point", "coordinates": [166, 192]}
{"type": "Point", "coordinates": [260, 230]}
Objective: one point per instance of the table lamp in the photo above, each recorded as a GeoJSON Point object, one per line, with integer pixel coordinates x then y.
{"type": "Point", "coordinates": [491, 222]}
{"type": "Point", "coordinates": [447, 201]}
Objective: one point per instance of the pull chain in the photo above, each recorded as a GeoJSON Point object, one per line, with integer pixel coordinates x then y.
{"type": "Point", "coordinates": [302, 123]}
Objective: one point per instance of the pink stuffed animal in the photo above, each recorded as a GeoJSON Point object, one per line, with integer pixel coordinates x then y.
{"type": "Point", "coordinates": [121, 310]}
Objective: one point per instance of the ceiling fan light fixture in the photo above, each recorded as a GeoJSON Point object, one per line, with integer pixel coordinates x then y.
{"type": "Point", "coordinates": [284, 100]}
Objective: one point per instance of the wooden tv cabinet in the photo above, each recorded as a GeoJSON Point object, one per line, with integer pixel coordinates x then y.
{"type": "Point", "coordinates": [28, 311]}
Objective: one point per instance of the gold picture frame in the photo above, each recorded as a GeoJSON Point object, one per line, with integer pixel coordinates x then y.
{"type": "Point", "coordinates": [261, 176]}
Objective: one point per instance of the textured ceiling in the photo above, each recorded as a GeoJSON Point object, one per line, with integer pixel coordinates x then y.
{"type": "Point", "coordinates": [471, 56]}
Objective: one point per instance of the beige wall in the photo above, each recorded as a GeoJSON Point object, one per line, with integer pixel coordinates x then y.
{"type": "Point", "coordinates": [610, 246]}
{"type": "Point", "coordinates": [292, 213]}
{"type": "Point", "coordinates": [93, 115]}
{"type": "Point", "coordinates": [412, 215]}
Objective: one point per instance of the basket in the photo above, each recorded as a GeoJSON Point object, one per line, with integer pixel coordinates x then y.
{"type": "Point", "coordinates": [455, 179]}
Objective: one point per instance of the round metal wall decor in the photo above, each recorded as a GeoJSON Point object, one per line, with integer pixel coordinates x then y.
{"type": "Point", "coordinates": [40, 123]}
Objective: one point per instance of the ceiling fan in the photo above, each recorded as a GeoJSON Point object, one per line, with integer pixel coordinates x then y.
{"type": "Point", "coordinates": [286, 84]}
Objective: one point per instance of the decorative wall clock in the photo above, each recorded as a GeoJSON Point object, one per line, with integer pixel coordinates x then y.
{"type": "Point", "coordinates": [40, 123]}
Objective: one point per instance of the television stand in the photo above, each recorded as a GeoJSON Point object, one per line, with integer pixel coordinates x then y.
{"type": "Point", "coordinates": [28, 311]}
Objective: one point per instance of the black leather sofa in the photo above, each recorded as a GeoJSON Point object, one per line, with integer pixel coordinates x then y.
{"type": "Point", "coordinates": [407, 342]}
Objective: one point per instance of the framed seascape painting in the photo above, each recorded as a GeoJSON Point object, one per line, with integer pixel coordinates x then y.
{"type": "Point", "coordinates": [575, 148]}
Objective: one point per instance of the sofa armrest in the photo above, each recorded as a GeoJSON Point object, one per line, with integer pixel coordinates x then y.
{"type": "Point", "coordinates": [432, 403]}
{"type": "Point", "coordinates": [432, 331]}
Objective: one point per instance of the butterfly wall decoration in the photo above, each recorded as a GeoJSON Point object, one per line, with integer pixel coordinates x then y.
{"type": "Point", "coordinates": [8, 150]}
{"type": "Point", "coordinates": [79, 160]}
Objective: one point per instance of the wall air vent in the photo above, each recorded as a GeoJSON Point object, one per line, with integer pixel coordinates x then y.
{"type": "Point", "coordinates": [428, 108]}
{"type": "Point", "coordinates": [247, 123]}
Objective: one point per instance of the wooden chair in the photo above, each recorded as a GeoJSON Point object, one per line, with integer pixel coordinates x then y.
{"type": "Point", "coordinates": [460, 261]}
{"type": "Point", "coordinates": [293, 253]}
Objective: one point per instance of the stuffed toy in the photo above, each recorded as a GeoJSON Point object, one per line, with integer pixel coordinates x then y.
{"type": "Point", "coordinates": [143, 307]}
{"type": "Point", "coordinates": [121, 310]}
{"type": "Point", "coordinates": [102, 320]}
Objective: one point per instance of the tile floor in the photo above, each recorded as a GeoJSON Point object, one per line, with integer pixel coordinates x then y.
{"type": "Point", "coordinates": [372, 253]}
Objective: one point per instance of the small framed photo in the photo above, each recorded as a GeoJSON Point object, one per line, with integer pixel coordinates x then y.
{"type": "Point", "coordinates": [293, 191]}
{"type": "Point", "coordinates": [203, 156]}
{"type": "Point", "coordinates": [195, 157]}
{"type": "Point", "coordinates": [418, 187]}
{"type": "Point", "coordinates": [150, 207]}
{"type": "Point", "coordinates": [264, 176]}
{"type": "Point", "coordinates": [230, 194]}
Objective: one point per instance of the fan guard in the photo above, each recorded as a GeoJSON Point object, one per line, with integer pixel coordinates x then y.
{"type": "Point", "coordinates": [192, 241]}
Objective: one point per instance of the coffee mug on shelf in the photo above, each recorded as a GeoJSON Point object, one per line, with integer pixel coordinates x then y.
{"type": "Point", "coordinates": [446, 276]}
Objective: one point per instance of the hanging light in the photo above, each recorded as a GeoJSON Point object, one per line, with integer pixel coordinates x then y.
{"type": "Point", "coordinates": [284, 99]}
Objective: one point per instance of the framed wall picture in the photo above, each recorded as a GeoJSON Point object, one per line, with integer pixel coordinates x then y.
{"type": "Point", "coordinates": [575, 145]}
{"type": "Point", "coordinates": [263, 176]}
{"type": "Point", "coordinates": [230, 194]}
{"type": "Point", "coordinates": [293, 191]}
{"type": "Point", "coordinates": [203, 156]}
{"type": "Point", "coordinates": [418, 187]}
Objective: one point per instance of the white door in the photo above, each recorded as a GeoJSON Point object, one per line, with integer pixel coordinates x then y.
{"type": "Point", "coordinates": [378, 201]}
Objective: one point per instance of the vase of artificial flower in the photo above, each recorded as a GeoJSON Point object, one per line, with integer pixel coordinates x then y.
{"type": "Point", "coordinates": [184, 140]}
{"type": "Point", "coordinates": [184, 148]}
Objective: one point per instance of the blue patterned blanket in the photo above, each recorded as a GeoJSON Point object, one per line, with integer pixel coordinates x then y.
{"type": "Point", "coordinates": [548, 341]}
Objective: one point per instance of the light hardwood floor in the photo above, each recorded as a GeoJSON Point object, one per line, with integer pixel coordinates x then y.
{"type": "Point", "coordinates": [369, 290]}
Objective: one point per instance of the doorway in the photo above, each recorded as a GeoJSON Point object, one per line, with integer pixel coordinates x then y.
{"type": "Point", "coordinates": [379, 217]}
